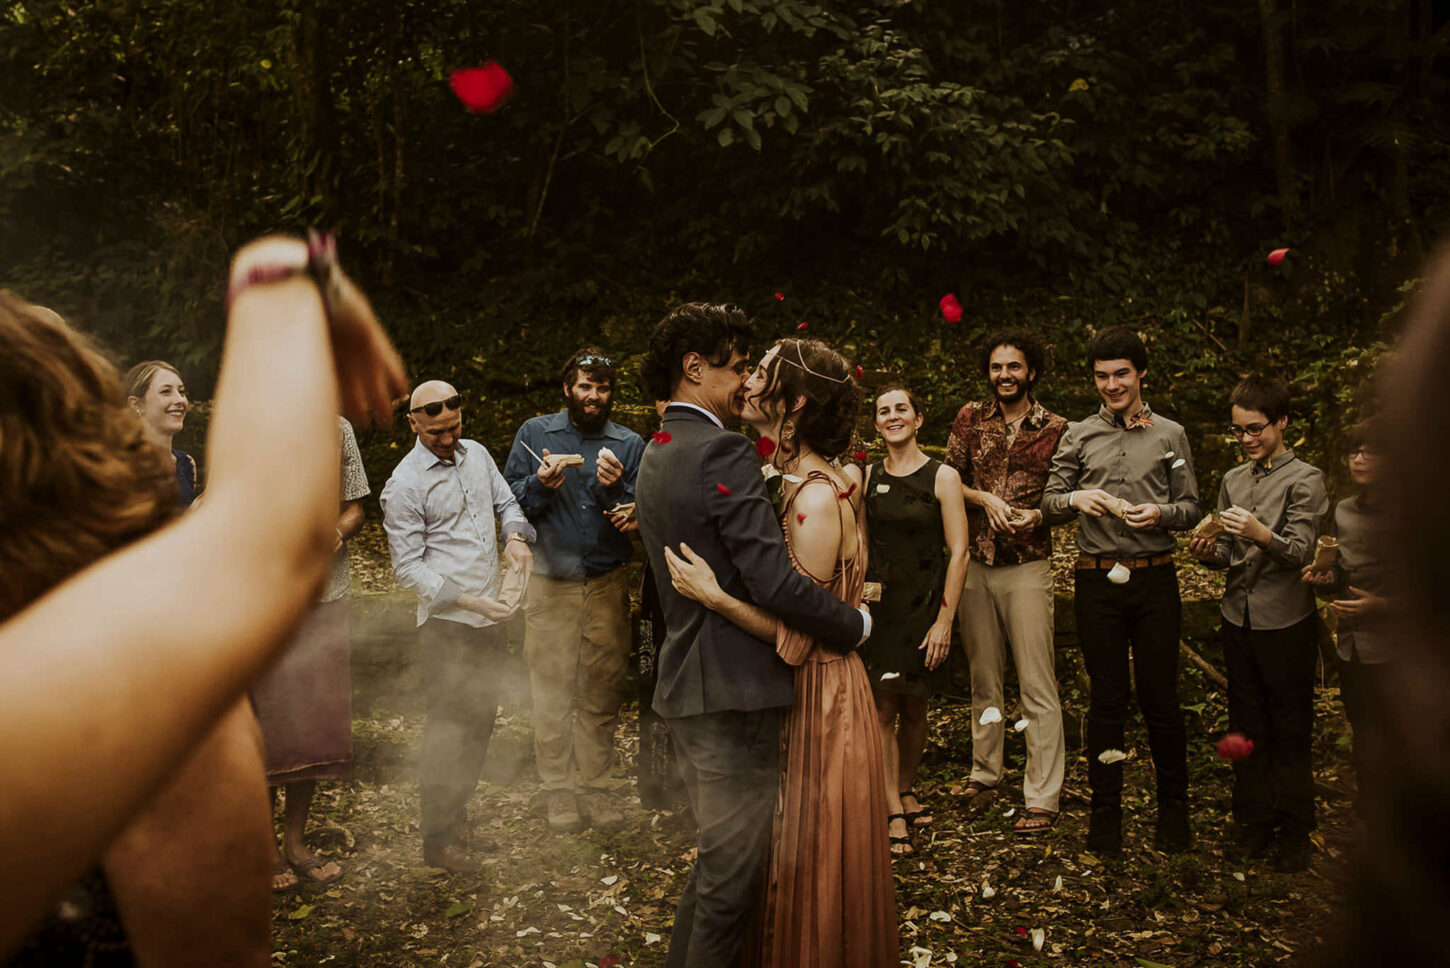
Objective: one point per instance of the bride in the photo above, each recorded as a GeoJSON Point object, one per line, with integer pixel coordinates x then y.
{"type": "Point", "coordinates": [827, 898]}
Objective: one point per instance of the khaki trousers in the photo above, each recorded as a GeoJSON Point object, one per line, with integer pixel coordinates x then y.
{"type": "Point", "coordinates": [1013, 604]}
{"type": "Point", "coordinates": [576, 642]}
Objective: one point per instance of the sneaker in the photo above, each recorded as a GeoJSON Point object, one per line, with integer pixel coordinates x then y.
{"type": "Point", "coordinates": [603, 814]}
{"type": "Point", "coordinates": [563, 812]}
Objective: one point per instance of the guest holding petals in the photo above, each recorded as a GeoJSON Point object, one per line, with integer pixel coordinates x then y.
{"type": "Point", "coordinates": [916, 527]}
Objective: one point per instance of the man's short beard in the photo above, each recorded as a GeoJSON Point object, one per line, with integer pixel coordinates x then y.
{"type": "Point", "coordinates": [1022, 390]}
{"type": "Point", "coordinates": [583, 419]}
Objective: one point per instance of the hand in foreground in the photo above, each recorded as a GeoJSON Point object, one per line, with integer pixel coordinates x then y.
{"type": "Point", "coordinates": [999, 513]}
{"type": "Point", "coordinates": [1363, 605]}
{"type": "Point", "coordinates": [938, 642]}
{"type": "Point", "coordinates": [692, 575]}
{"type": "Point", "coordinates": [519, 554]}
{"type": "Point", "coordinates": [1319, 579]}
{"type": "Point", "coordinates": [1242, 524]}
{"type": "Point", "coordinates": [1093, 503]}
{"type": "Point", "coordinates": [1141, 517]}
{"type": "Point", "coordinates": [487, 607]}
{"type": "Point", "coordinates": [1204, 549]}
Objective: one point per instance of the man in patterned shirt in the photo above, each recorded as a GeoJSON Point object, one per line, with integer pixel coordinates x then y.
{"type": "Point", "coordinates": [1003, 450]}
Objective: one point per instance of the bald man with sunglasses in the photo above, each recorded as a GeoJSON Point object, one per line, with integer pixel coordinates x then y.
{"type": "Point", "coordinates": [442, 509]}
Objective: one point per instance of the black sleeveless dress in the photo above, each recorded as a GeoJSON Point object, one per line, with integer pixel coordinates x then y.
{"type": "Point", "coordinates": [907, 555]}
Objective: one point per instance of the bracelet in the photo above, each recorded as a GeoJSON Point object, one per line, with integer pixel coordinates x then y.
{"type": "Point", "coordinates": [321, 266]}
{"type": "Point", "coordinates": [516, 536]}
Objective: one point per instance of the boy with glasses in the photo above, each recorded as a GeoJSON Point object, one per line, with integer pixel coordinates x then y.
{"type": "Point", "coordinates": [1269, 506]}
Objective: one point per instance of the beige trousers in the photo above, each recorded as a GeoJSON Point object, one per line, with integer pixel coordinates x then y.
{"type": "Point", "coordinates": [576, 642]}
{"type": "Point", "coordinates": [1013, 604]}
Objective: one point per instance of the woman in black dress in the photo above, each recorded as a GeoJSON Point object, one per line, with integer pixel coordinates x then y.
{"type": "Point", "coordinates": [916, 525]}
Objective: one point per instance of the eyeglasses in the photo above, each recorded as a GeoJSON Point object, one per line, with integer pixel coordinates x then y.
{"type": "Point", "coordinates": [1252, 430]}
{"type": "Point", "coordinates": [1362, 452]}
{"type": "Point", "coordinates": [589, 359]}
{"type": "Point", "coordinates": [436, 407]}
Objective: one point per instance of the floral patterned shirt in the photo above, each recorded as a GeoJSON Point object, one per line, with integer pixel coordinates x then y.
{"type": "Point", "coordinates": [1013, 468]}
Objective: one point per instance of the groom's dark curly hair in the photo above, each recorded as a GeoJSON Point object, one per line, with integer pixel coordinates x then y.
{"type": "Point", "coordinates": [714, 330]}
{"type": "Point", "coordinates": [809, 370]}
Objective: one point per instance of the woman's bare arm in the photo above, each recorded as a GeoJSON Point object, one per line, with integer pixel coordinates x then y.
{"type": "Point", "coordinates": [108, 681]}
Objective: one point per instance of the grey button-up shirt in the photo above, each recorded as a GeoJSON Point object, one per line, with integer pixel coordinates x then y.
{"type": "Point", "coordinates": [1144, 461]}
{"type": "Point", "coordinates": [1357, 526]}
{"type": "Point", "coordinates": [1263, 589]}
{"type": "Point", "coordinates": [439, 516]}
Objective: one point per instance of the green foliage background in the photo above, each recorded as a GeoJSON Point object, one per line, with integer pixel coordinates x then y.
{"type": "Point", "coordinates": [1061, 165]}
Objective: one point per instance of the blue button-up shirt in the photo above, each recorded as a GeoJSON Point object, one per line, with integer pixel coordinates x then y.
{"type": "Point", "coordinates": [440, 520]}
{"type": "Point", "coordinates": [576, 538]}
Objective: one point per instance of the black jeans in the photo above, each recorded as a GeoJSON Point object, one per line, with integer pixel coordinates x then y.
{"type": "Point", "coordinates": [731, 766]}
{"type": "Point", "coordinates": [461, 684]}
{"type": "Point", "coordinates": [1271, 701]}
{"type": "Point", "coordinates": [1362, 688]}
{"type": "Point", "coordinates": [1141, 619]}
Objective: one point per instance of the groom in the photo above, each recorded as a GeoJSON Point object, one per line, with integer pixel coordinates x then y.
{"type": "Point", "coordinates": [720, 690]}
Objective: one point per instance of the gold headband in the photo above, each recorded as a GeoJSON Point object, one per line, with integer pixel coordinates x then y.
{"type": "Point", "coordinates": [800, 363]}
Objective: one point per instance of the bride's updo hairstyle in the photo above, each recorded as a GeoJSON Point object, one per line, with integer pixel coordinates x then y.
{"type": "Point", "coordinates": [809, 368]}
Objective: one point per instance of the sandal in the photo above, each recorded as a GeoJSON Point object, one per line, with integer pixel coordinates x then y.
{"type": "Point", "coordinates": [900, 846]}
{"type": "Point", "coordinates": [917, 817]}
{"type": "Point", "coordinates": [1035, 820]}
{"type": "Point", "coordinates": [283, 879]}
{"type": "Point", "coordinates": [311, 870]}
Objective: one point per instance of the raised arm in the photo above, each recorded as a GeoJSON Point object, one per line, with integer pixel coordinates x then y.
{"type": "Point", "coordinates": [152, 643]}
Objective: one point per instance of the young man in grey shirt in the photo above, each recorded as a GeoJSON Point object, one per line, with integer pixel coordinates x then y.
{"type": "Point", "coordinates": [1126, 473]}
{"type": "Point", "coordinates": [1269, 506]}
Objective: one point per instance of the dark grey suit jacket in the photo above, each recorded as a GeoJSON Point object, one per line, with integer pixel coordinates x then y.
{"type": "Point", "coordinates": [706, 663]}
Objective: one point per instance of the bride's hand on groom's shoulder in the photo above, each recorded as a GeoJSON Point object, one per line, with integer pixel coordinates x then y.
{"type": "Point", "coordinates": [692, 576]}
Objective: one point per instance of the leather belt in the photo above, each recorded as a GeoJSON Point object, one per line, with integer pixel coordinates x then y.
{"type": "Point", "coordinates": [1098, 562]}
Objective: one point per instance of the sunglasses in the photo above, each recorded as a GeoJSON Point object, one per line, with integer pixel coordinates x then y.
{"type": "Point", "coordinates": [436, 407]}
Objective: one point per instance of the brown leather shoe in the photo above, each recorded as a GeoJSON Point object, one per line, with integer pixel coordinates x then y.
{"type": "Point", "coordinates": [453, 857]}
{"type": "Point", "coordinates": [563, 812]}
{"type": "Point", "coordinates": [603, 813]}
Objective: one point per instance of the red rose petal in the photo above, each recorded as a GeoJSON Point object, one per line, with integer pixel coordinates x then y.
{"type": "Point", "coordinates": [859, 456]}
{"type": "Point", "coordinates": [1013, 963]}
{"type": "Point", "coordinates": [859, 371]}
{"type": "Point", "coordinates": [1277, 256]}
{"type": "Point", "coordinates": [482, 89]}
{"type": "Point", "coordinates": [943, 601]}
{"type": "Point", "coordinates": [779, 295]}
{"type": "Point", "coordinates": [608, 961]}
{"type": "Point", "coordinates": [801, 326]}
{"type": "Point", "coordinates": [849, 491]}
{"type": "Point", "coordinates": [1235, 747]}
{"type": "Point", "coordinates": [764, 447]}
{"type": "Point", "coordinates": [724, 490]}
{"type": "Point", "coordinates": [951, 310]}
{"type": "Point", "coordinates": [800, 518]}
{"type": "Point", "coordinates": [661, 437]}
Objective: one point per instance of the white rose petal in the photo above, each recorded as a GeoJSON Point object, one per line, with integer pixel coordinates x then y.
{"type": "Point", "coordinates": [990, 715]}
{"type": "Point", "coordinates": [883, 488]}
{"type": "Point", "coordinates": [1119, 574]}
{"type": "Point", "coordinates": [1010, 812]}
{"type": "Point", "coordinates": [1167, 455]}
{"type": "Point", "coordinates": [1112, 756]}
{"type": "Point", "coordinates": [940, 916]}
{"type": "Point", "coordinates": [793, 479]}
{"type": "Point", "coordinates": [1179, 463]}
{"type": "Point", "coordinates": [988, 892]}
{"type": "Point", "coordinates": [606, 452]}
{"type": "Point", "coordinates": [607, 881]}
{"type": "Point", "coordinates": [1057, 885]}
{"type": "Point", "coordinates": [1038, 936]}
{"type": "Point", "coordinates": [651, 938]}
{"type": "Point", "coordinates": [1020, 725]}
{"type": "Point", "coordinates": [920, 957]}
{"type": "Point", "coordinates": [890, 675]}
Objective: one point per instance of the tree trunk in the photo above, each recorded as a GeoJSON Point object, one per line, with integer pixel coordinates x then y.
{"type": "Point", "coordinates": [1278, 110]}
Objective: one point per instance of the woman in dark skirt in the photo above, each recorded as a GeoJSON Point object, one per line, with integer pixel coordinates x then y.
{"type": "Point", "coordinates": [916, 525]}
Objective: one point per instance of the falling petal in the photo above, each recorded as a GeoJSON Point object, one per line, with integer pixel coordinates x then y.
{"type": "Point", "coordinates": [802, 325]}
{"type": "Point", "coordinates": [1235, 747]}
{"type": "Point", "coordinates": [951, 310]}
{"type": "Point", "coordinates": [883, 488]}
{"type": "Point", "coordinates": [1038, 936]}
{"type": "Point", "coordinates": [780, 295]}
{"type": "Point", "coordinates": [1112, 756]}
{"type": "Point", "coordinates": [1167, 455]}
{"type": "Point", "coordinates": [890, 675]}
{"type": "Point", "coordinates": [1010, 811]}
{"type": "Point", "coordinates": [859, 372]}
{"type": "Point", "coordinates": [990, 715]}
{"type": "Point", "coordinates": [793, 479]}
{"type": "Point", "coordinates": [1119, 574]}
{"type": "Point", "coordinates": [1179, 463]}
{"type": "Point", "coordinates": [1277, 256]}
{"type": "Point", "coordinates": [661, 437]}
{"type": "Point", "coordinates": [800, 518]}
{"type": "Point", "coordinates": [724, 490]}
{"type": "Point", "coordinates": [859, 456]}
{"type": "Point", "coordinates": [482, 89]}
{"type": "Point", "coordinates": [1020, 725]}
{"type": "Point", "coordinates": [764, 447]}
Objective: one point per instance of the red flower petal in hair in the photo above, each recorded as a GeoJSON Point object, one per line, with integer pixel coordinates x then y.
{"type": "Point", "coordinates": [802, 325]}
{"type": "Point", "coordinates": [849, 491]}
{"type": "Point", "coordinates": [724, 490]}
{"type": "Point", "coordinates": [951, 310]}
{"type": "Point", "coordinates": [661, 437]}
{"type": "Point", "coordinates": [482, 90]}
{"type": "Point", "coordinates": [764, 447]}
{"type": "Point", "coordinates": [780, 295]}
{"type": "Point", "coordinates": [859, 456]}
{"type": "Point", "coordinates": [1277, 256]}
{"type": "Point", "coordinates": [800, 519]}
{"type": "Point", "coordinates": [1235, 747]}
